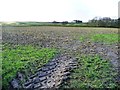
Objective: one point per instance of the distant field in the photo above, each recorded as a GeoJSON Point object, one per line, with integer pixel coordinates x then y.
{"type": "Point", "coordinates": [25, 47]}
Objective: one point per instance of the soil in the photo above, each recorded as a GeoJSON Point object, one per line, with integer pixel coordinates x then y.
{"type": "Point", "coordinates": [58, 69]}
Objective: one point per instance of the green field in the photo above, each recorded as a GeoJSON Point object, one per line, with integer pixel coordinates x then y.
{"type": "Point", "coordinates": [21, 58]}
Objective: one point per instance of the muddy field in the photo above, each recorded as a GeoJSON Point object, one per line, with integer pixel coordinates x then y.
{"type": "Point", "coordinates": [71, 44]}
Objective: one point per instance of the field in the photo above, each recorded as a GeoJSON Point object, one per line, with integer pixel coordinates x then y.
{"type": "Point", "coordinates": [70, 57]}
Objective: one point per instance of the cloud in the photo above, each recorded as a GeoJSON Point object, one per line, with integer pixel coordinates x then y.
{"type": "Point", "coordinates": [49, 10]}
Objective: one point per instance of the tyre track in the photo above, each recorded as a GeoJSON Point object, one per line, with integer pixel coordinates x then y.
{"type": "Point", "coordinates": [54, 73]}
{"type": "Point", "coordinates": [51, 75]}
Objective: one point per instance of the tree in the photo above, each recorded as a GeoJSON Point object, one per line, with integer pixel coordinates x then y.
{"type": "Point", "coordinates": [55, 22]}
{"type": "Point", "coordinates": [65, 22]}
{"type": "Point", "coordinates": [119, 22]}
{"type": "Point", "coordinates": [103, 22]}
{"type": "Point", "coordinates": [77, 21]}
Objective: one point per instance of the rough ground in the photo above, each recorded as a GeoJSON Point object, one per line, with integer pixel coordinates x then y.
{"type": "Point", "coordinates": [49, 76]}
{"type": "Point", "coordinates": [58, 69]}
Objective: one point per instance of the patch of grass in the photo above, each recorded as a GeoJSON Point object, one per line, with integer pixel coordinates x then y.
{"type": "Point", "coordinates": [105, 38]}
{"type": "Point", "coordinates": [93, 72]}
{"type": "Point", "coordinates": [19, 57]}
{"type": "Point", "coordinates": [102, 38]}
{"type": "Point", "coordinates": [82, 38]}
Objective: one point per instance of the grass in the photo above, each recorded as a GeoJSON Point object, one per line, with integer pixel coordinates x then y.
{"type": "Point", "coordinates": [102, 38]}
{"type": "Point", "coordinates": [93, 72]}
{"type": "Point", "coordinates": [105, 38]}
{"type": "Point", "coordinates": [21, 57]}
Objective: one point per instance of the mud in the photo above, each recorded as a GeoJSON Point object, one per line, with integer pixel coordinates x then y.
{"type": "Point", "coordinates": [58, 70]}
{"type": "Point", "coordinates": [66, 40]}
{"type": "Point", "coordinates": [51, 75]}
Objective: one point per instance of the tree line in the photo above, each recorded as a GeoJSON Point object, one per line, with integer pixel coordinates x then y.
{"type": "Point", "coordinates": [95, 22]}
{"type": "Point", "coordinates": [104, 22]}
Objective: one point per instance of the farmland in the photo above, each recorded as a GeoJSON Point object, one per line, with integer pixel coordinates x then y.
{"type": "Point", "coordinates": [89, 56]}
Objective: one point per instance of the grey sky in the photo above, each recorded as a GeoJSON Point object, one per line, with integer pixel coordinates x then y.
{"type": "Point", "coordinates": [59, 10]}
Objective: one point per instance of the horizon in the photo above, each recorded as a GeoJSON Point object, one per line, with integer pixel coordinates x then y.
{"type": "Point", "coordinates": [50, 21]}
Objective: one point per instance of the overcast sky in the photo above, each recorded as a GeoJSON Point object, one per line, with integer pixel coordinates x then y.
{"type": "Point", "coordinates": [58, 10]}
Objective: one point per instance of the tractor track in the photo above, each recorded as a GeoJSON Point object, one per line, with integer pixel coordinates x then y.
{"type": "Point", "coordinates": [51, 75]}
{"type": "Point", "coordinates": [56, 71]}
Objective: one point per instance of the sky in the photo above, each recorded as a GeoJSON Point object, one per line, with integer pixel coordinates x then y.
{"type": "Point", "coordinates": [57, 10]}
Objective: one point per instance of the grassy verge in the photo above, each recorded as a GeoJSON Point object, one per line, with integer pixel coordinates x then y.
{"type": "Point", "coordinates": [93, 72]}
{"type": "Point", "coordinates": [18, 58]}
